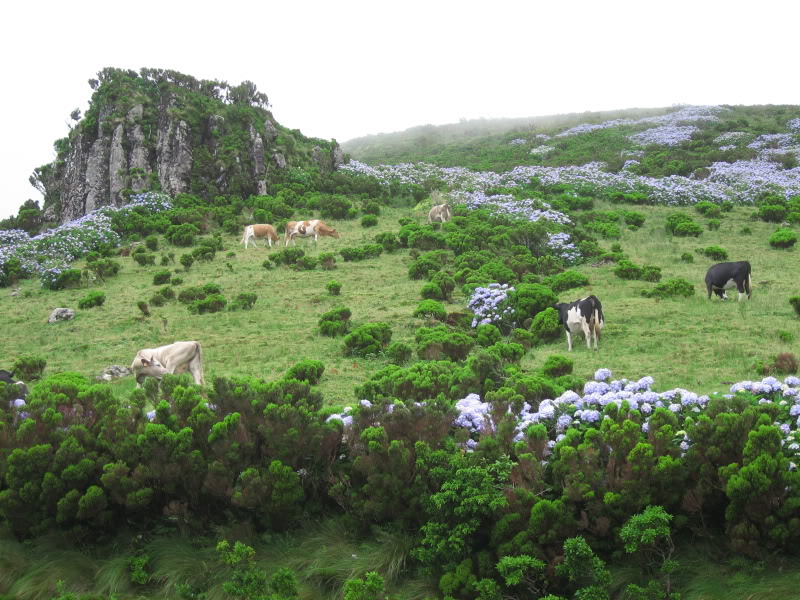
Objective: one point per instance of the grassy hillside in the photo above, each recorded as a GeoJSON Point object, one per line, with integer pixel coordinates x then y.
{"type": "Point", "coordinates": [695, 343]}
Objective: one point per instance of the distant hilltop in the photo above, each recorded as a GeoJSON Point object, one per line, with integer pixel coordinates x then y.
{"type": "Point", "coordinates": [162, 130]}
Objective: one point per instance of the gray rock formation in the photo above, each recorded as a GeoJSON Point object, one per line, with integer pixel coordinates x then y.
{"type": "Point", "coordinates": [279, 160]}
{"type": "Point", "coordinates": [113, 372]}
{"type": "Point", "coordinates": [337, 156]}
{"type": "Point", "coordinates": [61, 314]}
{"type": "Point", "coordinates": [174, 156]}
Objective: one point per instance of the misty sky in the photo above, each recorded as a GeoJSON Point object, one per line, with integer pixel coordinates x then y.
{"type": "Point", "coordinates": [345, 69]}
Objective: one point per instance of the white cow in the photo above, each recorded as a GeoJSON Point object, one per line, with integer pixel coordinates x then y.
{"type": "Point", "coordinates": [175, 358]}
{"type": "Point", "coordinates": [259, 231]}
{"type": "Point", "coordinates": [440, 214]}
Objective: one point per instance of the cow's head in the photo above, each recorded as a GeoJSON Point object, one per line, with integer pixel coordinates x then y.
{"type": "Point", "coordinates": [149, 368]}
{"type": "Point", "coordinates": [333, 233]}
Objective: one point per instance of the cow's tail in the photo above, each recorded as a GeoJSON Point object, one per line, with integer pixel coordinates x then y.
{"type": "Point", "coordinates": [597, 319]}
{"type": "Point", "coordinates": [748, 282]}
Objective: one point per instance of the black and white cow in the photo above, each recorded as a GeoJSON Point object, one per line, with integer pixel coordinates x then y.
{"type": "Point", "coordinates": [724, 276]}
{"type": "Point", "coordinates": [584, 315]}
{"type": "Point", "coordinates": [8, 378]}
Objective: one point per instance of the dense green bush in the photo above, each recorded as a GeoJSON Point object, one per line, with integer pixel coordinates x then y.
{"type": "Point", "coordinates": [335, 322]}
{"type": "Point", "coordinates": [333, 287]}
{"type": "Point", "coordinates": [529, 299]}
{"type": "Point", "coordinates": [609, 231]}
{"type": "Point", "coordinates": [162, 277]}
{"type": "Point", "coordinates": [566, 280]}
{"type": "Point", "coordinates": [361, 253]}
{"type": "Point", "coordinates": [440, 342]}
{"type": "Point", "coordinates": [210, 304]}
{"type": "Point", "coordinates": [190, 294]}
{"type": "Point", "coordinates": [388, 240]}
{"type": "Point", "coordinates": [104, 267]}
{"type": "Point", "coordinates": [713, 224]}
{"type": "Point", "coordinates": [304, 263]}
{"type": "Point", "coordinates": [182, 235]}
{"type": "Point", "coordinates": [327, 260]}
{"type": "Point", "coordinates": [61, 279]}
{"type": "Point", "coordinates": [687, 257]}
{"type": "Point", "coordinates": [92, 299]}
{"type": "Point", "coordinates": [708, 209]}
{"type": "Point", "coordinates": [687, 229]}
{"type": "Point", "coordinates": [29, 367]}
{"type": "Point", "coordinates": [244, 301]}
{"type": "Point", "coordinates": [151, 241]}
{"type": "Point", "coordinates": [335, 207]}
{"type": "Point", "coordinates": [795, 302]}
{"type": "Point", "coordinates": [431, 308]}
{"type": "Point", "coordinates": [487, 334]}
{"type": "Point", "coordinates": [714, 252]}
{"type": "Point", "coordinates": [399, 353]}
{"type": "Point", "coordinates": [633, 218]}
{"type": "Point", "coordinates": [557, 365]}
{"type": "Point", "coordinates": [675, 287]}
{"type": "Point", "coordinates": [783, 238]}
{"type": "Point", "coordinates": [368, 339]}
{"type": "Point", "coordinates": [772, 213]}
{"type": "Point", "coordinates": [187, 260]}
{"type": "Point", "coordinates": [287, 256]}
{"type": "Point", "coordinates": [445, 282]}
{"type": "Point", "coordinates": [423, 267]}
{"type": "Point", "coordinates": [545, 327]}
{"type": "Point", "coordinates": [675, 219]}
{"type": "Point", "coordinates": [626, 269]}
{"type": "Point", "coordinates": [307, 370]}
{"type": "Point", "coordinates": [369, 221]}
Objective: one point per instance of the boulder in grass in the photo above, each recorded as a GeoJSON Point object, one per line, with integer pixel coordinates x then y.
{"type": "Point", "coordinates": [61, 314]}
{"type": "Point", "coordinates": [113, 372]}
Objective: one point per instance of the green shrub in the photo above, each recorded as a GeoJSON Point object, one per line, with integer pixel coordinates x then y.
{"type": "Point", "coordinates": [399, 353]}
{"type": "Point", "coordinates": [388, 240]}
{"type": "Point", "coordinates": [676, 218]}
{"type": "Point", "coordinates": [204, 252]}
{"type": "Point", "coordinates": [687, 257]}
{"type": "Point", "coordinates": [431, 291]}
{"type": "Point", "coordinates": [487, 334]}
{"type": "Point", "coordinates": [557, 365]}
{"type": "Point", "coordinates": [369, 221]}
{"type": "Point", "coordinates": [626, 269]}
{"type": "Point", "coordinates": [431, 308]}
{"type": "Point", "coordinates": [726, 206]}
{"type": "Point", "coordinates": [529, 299]}
{"type": "Point", "coordinates": [151, 241]}
{"type": "Point", "coordinates": [371, 208]}
{"type": "Point", "coordinates": [210, 304]}
{"type": "Point", "coordinates": [143, 259]}
{"type": "Point", "coordinates": [783, 238]}
{"type": "Point", "coordinates": [168, 293]}
{"type": "Point", "coordinates": [176, 281]}
{"type": "Point", "coordinates": [423, 267]}
{"type": "Point", "coordinates": [157, 300]}
{"type": "Point", "coordinates": [688, 229]}
{"type": "Point", "coordinates": [745, 231]}
{"type": "Point", "coordinates": [192, 294]}
{"type": "Point", "coordinates": [60, 280]}
{"type": "Point", "coordinates": [333, 287]}
{"type": "Point", "coordinates": [438, 343]}
{"type": "Point", "coordinates": [244, 301]}
{"type": "Point", "coordinates": [327, 260]}
{"type": "Point", "coordinates": [795, 302]}
{"type": "Point", "coordinates": [368, 339]}
{"type": "Point", "coordinates": [92, 299]}
{"type": "Point", "coordinates": [445, 282]}
{"type": "Point", "coordinates": [545, 327]}
{"type": "Point", "coordinates": [708, 209]}
{"type": "Point", "coordinates": [675, 287]}
{"type": "Point", "coordinates": [566, 280]}
{"type": "Point", "coordinates": [182, 235]}
{"type": "Point", "coordinates": [787, 337]}
{"type": "Point", "coordinates": [508, 352]}
{"type": "Point", "coordinates": [633, 218]}
{"type": "Point", "coordinates": [713, 224]}
{"type": "Point", "coordinates": [306, 370]}
{"type": "Point", "coordinates": [651, 273]}
{"type": "Point", "coordinates": [335, 322]}
{"type": "Point", "coordinates": [187, 261]}
{"type": "Point", "coordinates": [714, 252]}
{"type": "Point", "coordinates": [104, 267]}
{"type": "Point", "coordinates": [608, 231]}
{"type": "Point", "coordinates": [161, 277]}
{"type": "Point", "coordinates": [772, 213]}
{"type": "Point", "coordinates": [335, 207]}
{"type": "Point", "coordinates": [304, 263]}
{"type": "Point", "coordinates": [29, 367]}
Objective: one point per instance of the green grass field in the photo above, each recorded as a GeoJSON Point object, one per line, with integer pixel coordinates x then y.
{"type": "Point", "coordinates": [695, 343]}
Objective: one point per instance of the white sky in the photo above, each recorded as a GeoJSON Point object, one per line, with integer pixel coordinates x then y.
{"type": "Point", "coordinates": [345, 69]}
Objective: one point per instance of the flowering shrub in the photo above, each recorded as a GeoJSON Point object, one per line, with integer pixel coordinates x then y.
{"type": "Point", "coordinates": [490, 305]}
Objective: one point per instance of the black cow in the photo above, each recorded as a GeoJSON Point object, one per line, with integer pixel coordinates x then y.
{"type": "Point", "coordinates": [8, 378]}
{"type": "Point", "coordinates": [724, 276]}
{"type": "Point", "coordinates": [584, 315]}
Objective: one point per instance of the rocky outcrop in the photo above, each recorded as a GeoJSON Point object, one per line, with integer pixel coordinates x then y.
{"type": "Point", "coordinates": [279, 160]}
{"type": "Point", "coordinates": [337, 156]}
{"type": "Point", "coordinates": [174, 155]}
{"type": "Point", "coordinates": [257, 158]}
{"type": "Point", "coordinates": [61, 314]}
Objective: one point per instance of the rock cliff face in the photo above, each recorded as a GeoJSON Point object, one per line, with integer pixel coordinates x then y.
{"type": "Point", "coordinates": [163, 130]}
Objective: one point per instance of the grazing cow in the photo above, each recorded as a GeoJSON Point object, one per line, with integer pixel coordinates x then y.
{"type": "Point", "coordinates": [175, 358]}
{"type": "Point", "coordinates": [441, 213]}
{"type": "Point", "coordinates": [723, 276]}
{"type": "Point", "coordinates": [314, 228]}
{"type": "Point", "coordinates": [584, 315]}
{"type": "Point", "coordinates": [259, 231]}
{"type": "Point", "coordinates": [8, 378]}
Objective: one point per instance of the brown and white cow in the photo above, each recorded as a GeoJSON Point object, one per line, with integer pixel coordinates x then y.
{"type": "Point", "coordinates": [264, 230]}
{"type": "Point", "coordinates": [441, 213]}
{"type": "Point", "coordinates": [314, 228]}
{"type": "Point", "coordinates": [175, 358]}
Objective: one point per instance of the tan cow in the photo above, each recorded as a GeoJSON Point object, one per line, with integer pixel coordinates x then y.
{"type": "Point", "coordinates": [259, 231]}
{"type": "Point", "coordinates": [440, 214]}
{"type": "Point", "coordinates": [175, 358]}
{"type": "Point", "coordinates": [314, 228]}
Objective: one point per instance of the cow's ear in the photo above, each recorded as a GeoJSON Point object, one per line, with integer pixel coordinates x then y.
{"type": "Point", "coordinates": [145, 362]}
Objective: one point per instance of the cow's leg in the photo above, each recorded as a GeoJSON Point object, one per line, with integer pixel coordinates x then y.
{"type": "Point", "coordinates": [587, 333]}
{"type": "Point", "coordinates": [569, 341]}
